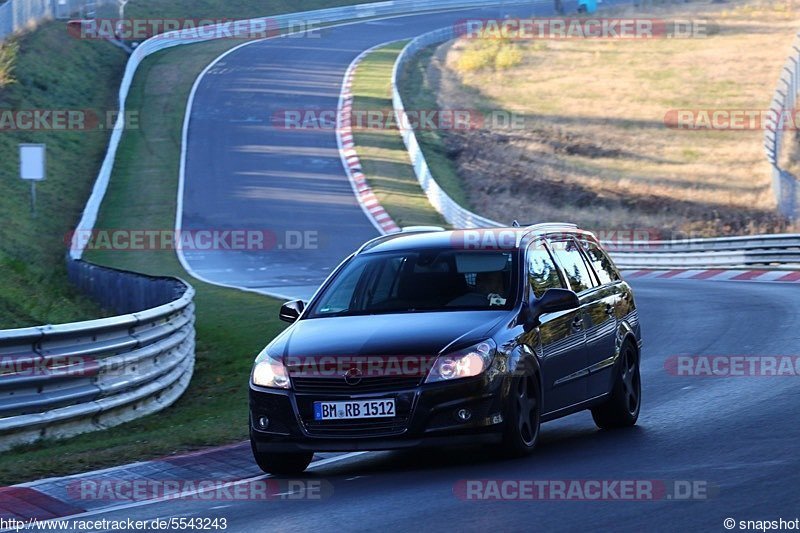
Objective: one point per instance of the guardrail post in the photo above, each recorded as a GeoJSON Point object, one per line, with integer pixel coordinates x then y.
{"type": "Point", "coordinates": [786, 192]}
{"type": "Point", "coordinates": [784, 184]}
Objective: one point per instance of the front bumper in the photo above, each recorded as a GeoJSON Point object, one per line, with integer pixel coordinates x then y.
{"type": "Point", "coordinates": [426, 417]}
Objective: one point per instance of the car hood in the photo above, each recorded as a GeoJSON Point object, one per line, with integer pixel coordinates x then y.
{"type": "Point", "coordinates": [397, 334]}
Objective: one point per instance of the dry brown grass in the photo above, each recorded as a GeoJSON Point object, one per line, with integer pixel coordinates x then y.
{"type": "Point", "coordinates": [595, 149]}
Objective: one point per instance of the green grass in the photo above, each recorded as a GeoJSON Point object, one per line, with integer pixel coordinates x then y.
{"type": "Point", "coordinates": [230, 9]}
{"type": "Point", "coordinates": [383, 155]}
{"type": "Point", "coordinates": [51, 73]}
{"type": "Point", "coordinates": [418, 94]}
{"type": "Point", "coordinates": [232, 326]}
{"type": "Point", "coordinates": [489, 53]}
{"type": "Point", "coordinates": [8, 60]}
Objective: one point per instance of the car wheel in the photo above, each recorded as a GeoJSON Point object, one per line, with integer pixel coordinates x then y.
{"type": "Point", "coordinates": [282, 463]}
{"type": "Point", "coordinates": [523, 417]}
{"type": "Point", "coordinates": [622, 407]}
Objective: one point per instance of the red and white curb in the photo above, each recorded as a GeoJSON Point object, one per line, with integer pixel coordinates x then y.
{"type": "Point", "coordinates": [783, 276]}
{"type": "Point", "coordinates": [60, 497]}
{"type": "Point", "coordinates": [344, 136]}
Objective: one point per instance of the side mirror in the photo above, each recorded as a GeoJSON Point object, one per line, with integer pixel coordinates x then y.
{"type": "Point", "coordinates": [290, 311]}
{"type": "Point", "coordinates": [552, 301]}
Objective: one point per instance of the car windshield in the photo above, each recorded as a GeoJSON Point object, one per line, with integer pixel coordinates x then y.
{"type": "Point", "coordinates": [418, 281]}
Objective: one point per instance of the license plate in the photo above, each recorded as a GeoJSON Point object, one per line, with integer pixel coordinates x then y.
{"type": "Point", "coordinates": [354, 409]}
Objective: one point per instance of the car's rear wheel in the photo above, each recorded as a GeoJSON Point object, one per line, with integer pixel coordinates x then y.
{"type": "Point", "coordinates": [523, 417]}
{"type": "Point", "coordinates": [282, 463]}
{"type": "Point", "coordinates": [622, 407]}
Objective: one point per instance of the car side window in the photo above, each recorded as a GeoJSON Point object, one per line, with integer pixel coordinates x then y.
{"type": "Point", "coordinates": [602, 264]}
{"type": "Point", "coordinates": [572, 261]}
{"type": "Point", "coordinates": [542, 272]}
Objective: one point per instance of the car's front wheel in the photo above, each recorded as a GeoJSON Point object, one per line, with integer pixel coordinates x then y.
{"type": "Point", "coordinates": [622, 407]}
{"type": "Point", "coordinates": [282, 463]}
{"type": "Point", "coordinates": [523, 417]}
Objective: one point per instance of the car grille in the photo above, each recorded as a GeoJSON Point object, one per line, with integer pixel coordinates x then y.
{"type": "Point", "coordinates": [367, 385]}
{"type": "Point", "coordinates": [351, 428]}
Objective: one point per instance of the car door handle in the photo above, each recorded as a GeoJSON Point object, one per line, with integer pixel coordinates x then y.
{"type": "Point", "coordinates": [609, 310]}
{"type": "Point", "coordinates": [577, 323]}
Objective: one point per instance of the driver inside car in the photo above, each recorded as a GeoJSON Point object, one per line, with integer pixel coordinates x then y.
{"type": "Point", "coordinates": [488, 292]}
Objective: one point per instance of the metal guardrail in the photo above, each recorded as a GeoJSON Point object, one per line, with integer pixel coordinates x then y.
{"type": "Point", "coordinates": [58, 381]}
{"type": "Point", "coordinates": [767, 251]}
{"type": "Point", "coordinates": [456, 215]}
{"type": "Point", "coordinates": [782, 110]}
{"type": "Point", "coordinates": [781, 251]}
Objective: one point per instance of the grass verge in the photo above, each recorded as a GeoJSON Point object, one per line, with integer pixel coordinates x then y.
{"type": "Point", "coordinates": [383, 155]}
{"type": "Point", "coordinates": [227, 9]}
{"type": "Point", "coordinates": [33, 288]}
{"type": "Point", "coordinates": [596, 146]}
{"type": "Point", "coordinates": [418, 91]}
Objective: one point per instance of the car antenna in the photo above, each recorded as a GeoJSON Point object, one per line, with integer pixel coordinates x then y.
{"type": "Point", "coordinates": [515, 224]}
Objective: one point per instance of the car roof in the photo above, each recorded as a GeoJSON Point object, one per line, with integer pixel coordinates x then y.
{"type": "Point", "coordinates": [506, 238]}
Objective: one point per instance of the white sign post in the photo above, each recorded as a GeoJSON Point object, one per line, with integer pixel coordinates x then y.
{"type": "Point", "coordinates": [32, 167]}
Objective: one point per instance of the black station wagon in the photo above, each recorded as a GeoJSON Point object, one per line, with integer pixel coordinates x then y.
{"type": "Point", "coordinates": [429, 337]}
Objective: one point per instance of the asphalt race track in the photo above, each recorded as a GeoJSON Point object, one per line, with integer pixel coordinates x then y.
{"type": "Point", "coordinates": [736, 436]}
{"type": "Point", "coordinates": [245, 171]}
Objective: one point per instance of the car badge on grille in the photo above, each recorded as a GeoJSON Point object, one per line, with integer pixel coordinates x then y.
{"type": "Point", "coordinates": [352, 376]}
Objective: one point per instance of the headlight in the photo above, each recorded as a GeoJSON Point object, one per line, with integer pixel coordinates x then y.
{"type": "Point", "coordinates": [463, 363]}
{"type": "Point", "coordinates": [270, 372]}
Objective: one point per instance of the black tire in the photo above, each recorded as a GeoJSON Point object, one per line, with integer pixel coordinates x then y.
{"type": "Point", "coordinates": [623, 406]}
{"type": "Point", "coordinates": [523, 417]}
{"type": "Point", "coordinates": [282, 463]}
